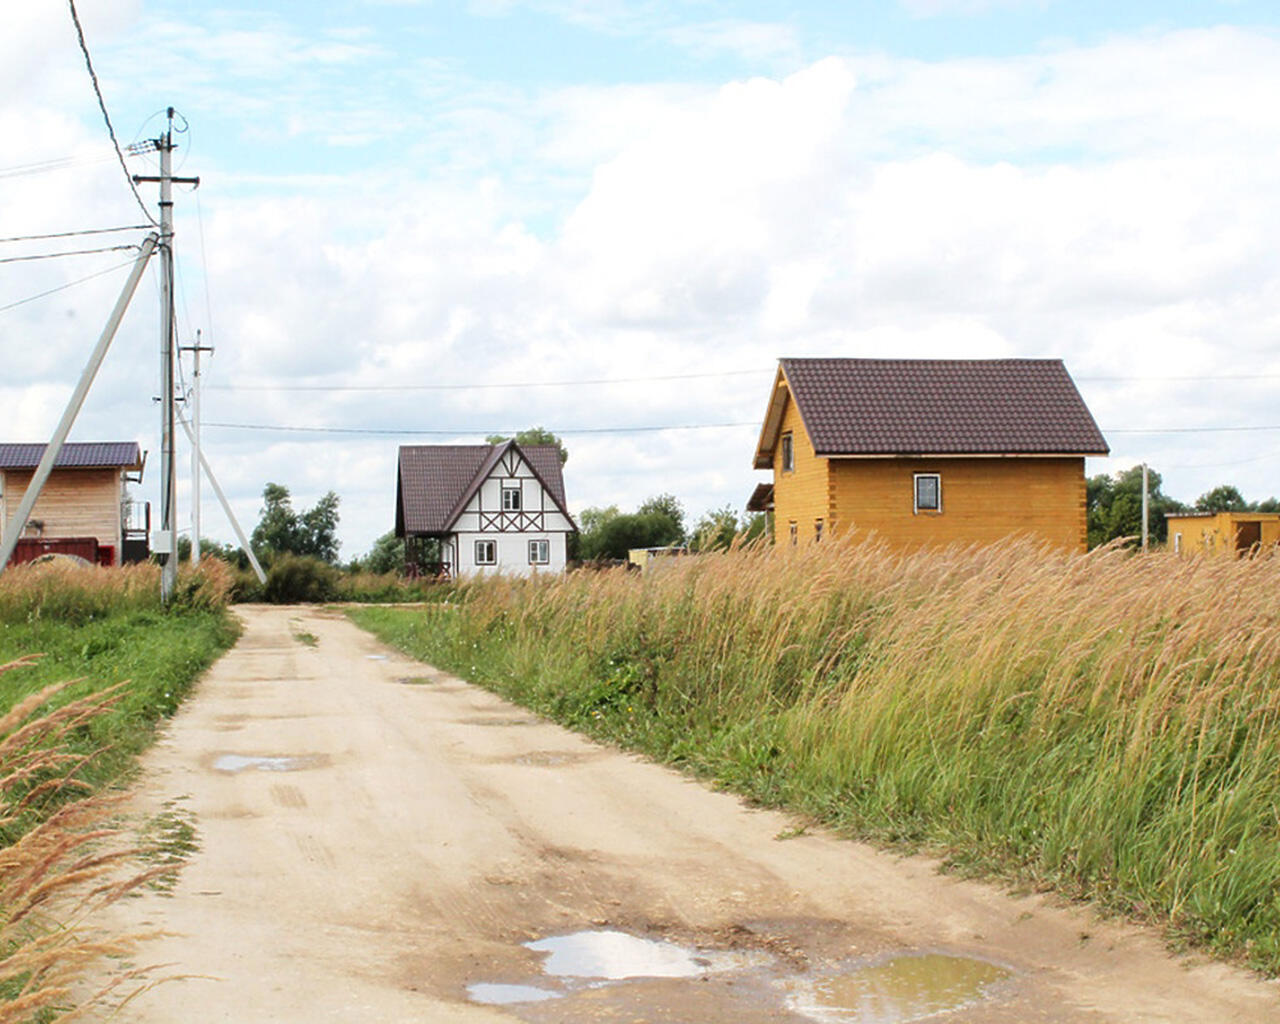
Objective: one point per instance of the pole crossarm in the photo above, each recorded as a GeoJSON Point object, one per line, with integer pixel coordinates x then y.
{"type": "Point", "coordinates": [13, 532]}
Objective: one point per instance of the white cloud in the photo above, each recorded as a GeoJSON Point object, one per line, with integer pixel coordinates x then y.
{"type": "Point", "coordinates": [1113, 205]}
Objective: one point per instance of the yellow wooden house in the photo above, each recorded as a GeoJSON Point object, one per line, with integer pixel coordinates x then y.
{"type": "Point", "coordinates": [926, 452]}
{"type": "Point", "coordinates": [1231, 534]}
{"type": "Point", "coordinates": [82, 509]}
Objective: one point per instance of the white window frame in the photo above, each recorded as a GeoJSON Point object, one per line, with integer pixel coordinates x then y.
{"type": "Point", "coordinates": [1177, 543]}
{"type": "Point", "coordinates": [490, 547]}
{"type": "Point", "coordinates": [915, 493]}
{"type": "Point", "coordinates": [788, 453]}
{"type": "Point", "coordinates": [512, 498]}
{"type": "Point", "coordinates": [539, 547]}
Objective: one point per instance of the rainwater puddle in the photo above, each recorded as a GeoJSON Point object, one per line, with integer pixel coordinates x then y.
{"type": "Point", "coordinates": [504, 995]}
{"type": "Point", "coordinates": [239, 763]}
{"type": "Point", "coordinates": [905, 989]}
{"type": "Point", "coordinates": [614, 956]}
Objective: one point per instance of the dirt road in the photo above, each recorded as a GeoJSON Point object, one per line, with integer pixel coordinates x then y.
{"type": "Point", "coordinates": [380, 842]}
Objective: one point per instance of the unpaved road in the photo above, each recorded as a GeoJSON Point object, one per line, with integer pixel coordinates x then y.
{"type": "Point", "coordinates": [376, 836]}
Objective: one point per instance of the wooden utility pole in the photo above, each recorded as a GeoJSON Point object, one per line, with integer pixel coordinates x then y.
{"type": "Point", "coordinates": [165, 541]}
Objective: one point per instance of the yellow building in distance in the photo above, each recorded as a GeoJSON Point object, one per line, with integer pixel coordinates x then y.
{"type": "Point", "coordinates": [1223, 533]}
{"type": "Point", "coordinates": [926, 452]}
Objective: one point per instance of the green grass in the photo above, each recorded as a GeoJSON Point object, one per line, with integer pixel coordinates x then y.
{"type": "Point", "coordinates": [1104, 726]}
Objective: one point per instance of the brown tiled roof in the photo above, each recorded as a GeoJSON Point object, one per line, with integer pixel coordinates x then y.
{"type": "Point", "coordinates": [435, 481]}
{"type": "Point", "coordinates": [74, 455]}
{"type": "Point", "coordinates": [761, 499]}
{"type": "Point", "coordinates": [941, 407]}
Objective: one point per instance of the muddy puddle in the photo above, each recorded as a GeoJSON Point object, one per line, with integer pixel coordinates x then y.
{"type": "Point", "coordinates": [234, 763]}
{"type": "Point", "coordinates": [606, 966]}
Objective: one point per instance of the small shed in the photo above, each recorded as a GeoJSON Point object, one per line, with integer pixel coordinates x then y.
{"type": "Point", "coordinates": [1230, 534]}
{"type": "Point", "coordinates": [83, 509]}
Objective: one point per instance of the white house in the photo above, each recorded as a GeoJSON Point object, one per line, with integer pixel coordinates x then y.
{"type": "Point", "coordinates": [470, 509]}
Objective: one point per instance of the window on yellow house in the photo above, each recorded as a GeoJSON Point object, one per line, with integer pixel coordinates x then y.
{"type": "Point", "coordinates": [788, 454]}
{"type": "Point", "coordinates": [928, 488]}
{"type": "Point", "coordinates": [795, 532]}
{"type": "Point", "coordinates": [817, 530]}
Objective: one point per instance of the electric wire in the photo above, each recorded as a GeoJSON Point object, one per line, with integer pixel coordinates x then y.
{"type": "Point", "coordinates": [61, 163]}
{"type": "Point", "coordinates": [480, 387]}
{"type": "Point", "coordinates": [102, 104]}
{"type": "Point", "coordinates": [401, 432]}
{"type": "Point", "coordinates": [64, 287]}
{"type": "Point", "coordinates": [73, 234]}
{"type": "Point", "coordinates": [59, 255]}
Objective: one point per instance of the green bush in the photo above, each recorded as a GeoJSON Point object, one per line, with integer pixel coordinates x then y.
{"type": "Point", "coordinates": [293, 579]}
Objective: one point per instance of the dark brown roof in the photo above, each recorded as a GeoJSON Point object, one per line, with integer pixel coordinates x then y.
{"type": "Point", "coordinates": [937, 407]}
{"type": "Point", "coordinates": [74, 455]}
{"type": "Point", "coordinates": [761, 499]}
{"type": "Point", "coordinates": [435, 481]}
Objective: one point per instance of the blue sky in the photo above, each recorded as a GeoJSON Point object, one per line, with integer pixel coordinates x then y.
{"type": "Point", "coordinates": [438, 195]}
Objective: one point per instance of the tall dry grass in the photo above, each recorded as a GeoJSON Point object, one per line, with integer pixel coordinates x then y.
{"type": "Point", "coordinates": [1105, 725]}
{"type": "Point", "coordinates": [65, 863]}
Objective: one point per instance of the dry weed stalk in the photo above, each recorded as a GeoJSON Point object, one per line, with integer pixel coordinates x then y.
{"type": "Point", "coordinates": [63, 862]}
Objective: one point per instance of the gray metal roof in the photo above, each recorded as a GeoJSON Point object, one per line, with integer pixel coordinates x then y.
{"type": "Point", "coordinates": [74, 455]}
{"type": "Point", "coordinates": [435, 481]}
{"type": "Point", "coordinates": [936, 407]}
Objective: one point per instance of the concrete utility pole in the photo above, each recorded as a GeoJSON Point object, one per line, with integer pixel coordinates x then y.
{"type": "Point", "coordinates": [195, 350]}
{"type": "Point", "coordinates": [1145, 503]}
{"type": "Point", "coordinates": [165, 541]}
{"type": "Point", "coordinates": [13, 532]}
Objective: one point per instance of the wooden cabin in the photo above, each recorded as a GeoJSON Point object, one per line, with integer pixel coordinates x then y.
{"type": "Point", "coordinates": [482, 509]}
{"type": "Point", "coordinates": [926, 452]}
{"type": "Point", "coordinates": [1229, 534]}
{"type": "Point", "coordinates": [82, 509]}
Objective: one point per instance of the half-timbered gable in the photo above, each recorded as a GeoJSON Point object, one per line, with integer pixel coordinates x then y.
{"type": "Point", "coordinates": [483, 508]}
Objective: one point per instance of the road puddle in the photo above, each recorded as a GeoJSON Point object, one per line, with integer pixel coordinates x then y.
{"type": "Point", "coordinates": [507, 995]}
{"type": "Point", "coordinates": [242, 762]}
{"type": "Point", "coordinates": [615, 956]}
{"type": "Point", "coordinates": [606, 965]}
{"type": "Point", "coordinates": [898, 991]}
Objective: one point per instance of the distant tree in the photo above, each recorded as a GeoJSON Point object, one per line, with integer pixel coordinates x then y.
{"type": "Point", "coordinates": [1224, 498]}
{"type": "Point", "coordinates": [533, 436]}
{"type": "Point", "coordinates": [669, 506]}
{"type": "Point", "coordinates": [281, 530]}
{"type": "Point", "coordinates": [620, 533]}
{"type": "Point", "coordinates": [1115, 506]}
{"type": "Point", "coordinates": [386, 555]}
{"type": "Point", "coordinates": [1267, 505]}
{"type": "Point", "coordinates": [591, 519]}
{"type": "Point", "coordinates": [718, 529]}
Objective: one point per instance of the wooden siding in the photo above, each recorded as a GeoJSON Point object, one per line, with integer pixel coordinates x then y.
{"type": "Point", "coordinates": [1216, 534]}
{"type": "Point", "coordinates": [74, 503]}
{"type": "Point", "coordinates": [983, 500]}
{"type": "Point", "coordinates": [802, 495]}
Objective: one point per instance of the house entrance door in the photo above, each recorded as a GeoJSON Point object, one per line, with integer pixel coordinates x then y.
{"type": "Point", "coordinates": [1248, 536]}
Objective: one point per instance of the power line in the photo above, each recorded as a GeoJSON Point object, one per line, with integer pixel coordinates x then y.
{"type": "Point", "coordinates": [73, 234]}
{"type": "Point", "coordinates": [73, 252]}
{"type": "Point", "coordinates": [102, 104]}
{"type": "Point", "coordinates": [64, 287]}
{"type": "Point", "coordinates": [480, 387]}
{"type": "Point", "coordinates": [398, 432]}
{"type": "Point", "coordinates": [57, 164]}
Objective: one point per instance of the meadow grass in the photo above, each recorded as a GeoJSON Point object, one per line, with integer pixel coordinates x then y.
{"type": "Point", "coordinates": [63, 745]}
{"type": "Point", "coordinates": [1102, 725]}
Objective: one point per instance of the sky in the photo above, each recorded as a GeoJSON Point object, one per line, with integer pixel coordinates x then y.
{"type": "Point", "coordinates": [422, 221]}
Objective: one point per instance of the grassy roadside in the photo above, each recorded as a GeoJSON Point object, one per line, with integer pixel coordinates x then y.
{"type": "Point", "coordinates": [1104, 726]}
{"type": "Point", "coordinates": [104, 629]}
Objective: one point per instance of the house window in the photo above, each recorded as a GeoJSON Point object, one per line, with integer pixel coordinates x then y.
{"type": "Point", "coordinates": [788, 453]}
{"type": "Point", "coordinates": [795, 533]}
{"type": "Point", "coordinates": [817, 530]}
{"type": "Point", "coordinates": [539, 552]}
{"type": "Point", "coordinates": [928, 492]}
{"type": "Point", "coordinates": [1177, 543]}
{"type": "Point", "coordinates": [486, 552]}
{"type": "Point", "coordinates": [511, 498]}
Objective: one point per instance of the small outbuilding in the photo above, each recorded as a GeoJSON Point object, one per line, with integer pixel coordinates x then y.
{"type": "Point", "coordinates": [466, 510]}
{"type": "Point", "coordinates": [1230, 534]}
{"type": "Point", "coordinates": [83, 509]}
